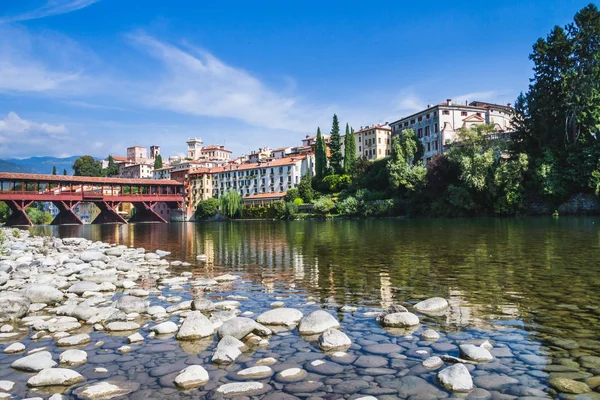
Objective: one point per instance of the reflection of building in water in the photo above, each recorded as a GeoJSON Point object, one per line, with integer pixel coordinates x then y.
{"type": "Point", "coordinates": [464, 313]}
{"type": "Point", "coordinates": [385, 289]}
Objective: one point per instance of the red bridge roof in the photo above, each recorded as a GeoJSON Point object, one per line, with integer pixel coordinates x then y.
{"type": "Point", "coordinates": [8, 176]}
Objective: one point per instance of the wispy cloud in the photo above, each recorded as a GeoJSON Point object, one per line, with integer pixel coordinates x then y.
{"type": "Point", "coordinates": [20, 137]}
{"type": "Point", "coordinates": [52, 7]}
{"type": "Point", "coordinates": [198, 83]}
{"type": "Point", "coordinates": [479, 96]}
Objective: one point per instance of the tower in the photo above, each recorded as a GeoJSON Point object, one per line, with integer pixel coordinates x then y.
{"type": "Point", "coordinates": [194, 148]}
{"type": "Point", "coordinates": [154, 152]}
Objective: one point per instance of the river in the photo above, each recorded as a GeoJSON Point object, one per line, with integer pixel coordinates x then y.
{"type": "Point", "coordinates": [531, 286]}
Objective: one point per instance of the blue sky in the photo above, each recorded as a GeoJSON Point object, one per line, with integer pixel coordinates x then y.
{"type": "Point", "coordinates": [96, 76]}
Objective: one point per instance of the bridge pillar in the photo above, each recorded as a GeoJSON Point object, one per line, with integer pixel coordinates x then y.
{"type": "Point", "coordinates": [145, 212]}
{"type": "Point", "coordinates": [66, 215]}
{"type": "Point", "coordinates": [18, 215]}
{"type": "Point", "coordinates": [108, 213]}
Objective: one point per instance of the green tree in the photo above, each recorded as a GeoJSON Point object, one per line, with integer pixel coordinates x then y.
{"type": "Point", "coordinates": [158, 163]}
{"type": "Point", "coordinates": [207, 208]}
{"type": "Point", "coordinates": [231, 204]}
{"type": "Point", "coordinates": [320, 156]}
{"type": "Point", "coordinates": [405, 175]}
{"type": "Point", "coordinates": [292, 194]}
{"type": "Point", "coordinates": [305, 189]}
{"type": "Point", "coordinates": [112, 169]}
{"type": "Point", "coordinates": [324, 205]}
{"type": "Point", "coordinates": [4, 212]}
{"type": "Point", "coordinates": [349, 151]}
{"type": "Point", "coordinates": [335, 146]}
{"type": "Point", "coordinates": [87, 166]}
{"type": "Point", "coordinates": [54, 170]}
{"type": "Point", "coordinates": [65, 172]}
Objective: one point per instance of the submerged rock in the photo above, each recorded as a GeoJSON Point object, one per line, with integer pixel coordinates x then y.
{"type": "Point", "coordinates": [195, 326]}
{"type": "Point", "coordinates": [106, 390]}
{"type": "Point", "coordinates": [165, 328]}
{"type": "Point", "coordinates": [332, 339]}
{"type": "Point", "coordinates": [55, 377]}
{"type": "Point", "coordinates": [564, 385]}
{"type": "Point", "coordinates": [433, 304]}
{"type": "Point", "coordinates": [280, 316]}
{"type": "Point", "coordinates": [238, 327]}
{"type": "Point", "coordinates": [475, 353]}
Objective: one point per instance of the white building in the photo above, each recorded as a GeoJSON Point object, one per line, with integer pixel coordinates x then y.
{"type": "Point", "coordinates": [194, 151]}
{"type": "Point", "coordinates": [275, 176]}
{"type": "Point", "coordinates": [436, 126]}
{"type": "Point", "coordinates": [373, 142]}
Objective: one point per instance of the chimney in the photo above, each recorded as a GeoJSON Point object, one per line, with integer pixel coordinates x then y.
{"type": "Point", "coordinates": [466, 102]}
{"type": "Point", "coordinates": [449, 102]}
{"type": "Point", "coordinates": [508, 104]}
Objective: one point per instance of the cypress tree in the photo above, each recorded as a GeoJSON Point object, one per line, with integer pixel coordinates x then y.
{"type": "Point", "coordinates": [54, 170]}
{"type": "Point", "coordinates": [158, 162]}
{"type": "Point", "coordinates": [320, 156]}
{"type": "Point", "coordinates": [349, 151]}
{"type": "Point", "coordinates": [335, 145]}
{"type": "Point", "coordinates": [65, 172]}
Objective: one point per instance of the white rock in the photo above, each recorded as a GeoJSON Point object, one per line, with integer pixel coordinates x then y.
{"type": "Point", "coordinates": [84, 286]}
{"type": "Point", "coordinates": [44, 294]}
{"type": "Point", "coordinates": [433, 362]}
{"type": "Point", "coordinates": [73, 357]}
{"type": "Point", "coordinates": [121, 326]}
{"type": "Point", "coordinates": [34, 362]}
{"type": "Point", "coordinates": [105, 390]}
{"type": "Point", "coordinates": [456, 378]}
{"type": "Point", "coordinates": [226, 278]}
{"type": "Point", "coordinates": [430, 334]}
{"type": "Point", "coordinates": [266, 361]}
{"type": "Point", "coordinates": [237, 388]}
{"type": "Point", "coordinates": [124, 349]}
{"type": "Point", "coordinates": [486, 345]}
{"type": "Point", "coordinates": [280, 316]}
{"type": "Point", "coordinates": [431, 305]}
{"type": "Point", "coordinates": [100, 370]}
{"type": "Point", "coordinates": [259, 371]}
{"type": "Point", "coordinates": [195, 326]}
{"type": "Point", "coordinates": [15, 348]}
{"type": "Point", "coordinates": [74, 340]}
{"type": "Point", "coordinates": [317, 322]}
{"type": "Point", "coordinates": [135, 338]}
{"type": "Point", "coordinates": [192, 376]}
{"type": "Point", "coordinates": [55, 377]}
{"type": "Point", "coordinates": [238, 327]}
{"type": "Point", "coordinates": [6, 386]}
{"type": "Point", "coordinates": [332, 339]}
{"type": "Point", "coordinates": [475, 353]}
{"type": "Point", "coordinates": [277, 304]}
{"type": "Point", "coordinates": [400, 320]}
{"type": "Point", "coordinates": [165, 328]}
{"type": "Point", "coordinates": [227, 350]}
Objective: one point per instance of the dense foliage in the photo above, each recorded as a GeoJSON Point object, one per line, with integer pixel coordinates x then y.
{"type": "Point", "coordinates": [87, 166]}
{"type": "Point", "coordinates": [207, 208]}
{"type": "Point", "coordinates": [231, 204]}
{"type": "Point", "coordinates": [158, 162]}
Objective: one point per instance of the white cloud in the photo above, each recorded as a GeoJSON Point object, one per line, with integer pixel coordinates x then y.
{"type": "Point", "coordinates": [198, 83]}
{"type": "Point", "coordinates": [52, 7]}
{"type": "Point", "coordinates": [22, 137]}
{"type": "Point", "coordinates": [476, 96]}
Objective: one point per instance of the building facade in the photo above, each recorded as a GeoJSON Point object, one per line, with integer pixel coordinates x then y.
{"type": "Point", "coordinates": [437, 125]}
{"type": "Point", "coordinates": [373, 142]}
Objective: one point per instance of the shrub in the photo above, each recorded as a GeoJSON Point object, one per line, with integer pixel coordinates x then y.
{"type": "Point", "coordinates": [305, 190]}
{"type": "Point", "coordinates": [207, 208]}
{"type": "Point", "coordinates": [348, 206]}
{"type": "Point", "coordinates": [323, 205]}
{"type": "Point", "coordinates": [298, 201]}
{"type": "Point", "coordinates": [292, 194]}
{"type": "Point", "coordinates": [291, 209]}
{"type": "Point", "coordinates": [334, 183]}
{"type": "Point", "coordinates": [279, 207]}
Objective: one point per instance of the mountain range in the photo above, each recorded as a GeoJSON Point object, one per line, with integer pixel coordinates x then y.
{"type": "Point", "coordinates": [38, 165]}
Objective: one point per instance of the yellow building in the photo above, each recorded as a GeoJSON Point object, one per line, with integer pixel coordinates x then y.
{"type": "Point", "coordinates": [373, 142]}
{"type": "Point", "coordinates": [200, 185]}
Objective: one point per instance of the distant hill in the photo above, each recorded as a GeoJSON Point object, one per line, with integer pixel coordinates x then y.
{"type": "Point", "coordinates": [7, 166]}
{"type": "Point", "coordinates": [40, 165]}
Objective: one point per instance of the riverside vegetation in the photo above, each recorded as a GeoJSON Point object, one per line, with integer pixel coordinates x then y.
{"type": "Point", "coordinates": [551, 162]}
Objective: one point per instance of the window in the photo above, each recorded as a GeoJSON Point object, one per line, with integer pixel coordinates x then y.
{"type": "Point", "coordinates": [428, 146]}
{"type": "Point", "coordinates": [426, 131]}
{"type": "Point", "coordinates": [359, 149]}
{"type": "Point", "coordinates": [463, 113]}
{"type": "Point", "coordinates": [379, 151]}
{"type": "Point", "coordinates": [435, 113]}
{"type": "Point", "coordinates": [479, 114]}
{"type": "Point", "coordinates": [412, 121]}
{"type": "Point", "coordinates": [420, 119]}
{"type": "Point", "coordinates": [420, 133]}
{"type": "Point", "coordinates": [435, 144]}
{"type": "Point", "coordinates": [406, 123]}
{"type": "Point", "coordinates": [435, 127]}
{"type": "Point", "coordinates": [427, 116]}
{"type": "Point", "coordinates": [445, 112]}
{"type": "Point", "coordinates": [379, 140]}
{"type": "Point", "coordinates": [359, 139]}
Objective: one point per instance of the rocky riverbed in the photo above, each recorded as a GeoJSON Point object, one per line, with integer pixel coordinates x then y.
{"type": "Point", "coordinates": [90, 320]}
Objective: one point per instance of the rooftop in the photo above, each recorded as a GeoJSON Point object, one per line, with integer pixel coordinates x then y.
{"type": "Point", "coordinates": [276, 195]}
{"type": "Point", "coordinates": [280, 162]}
{"type": "Point", "coordinates": [42, 178]}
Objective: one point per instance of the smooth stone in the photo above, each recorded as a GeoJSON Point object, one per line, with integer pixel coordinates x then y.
{"type": "Point", "coordinates": [565, 385]}
{"type": "Point", "coordinates": [6, 386]}
{"type": "Point", "coordinates": [83, 286]}
{"type": "Point", "coordinates": [475, 353]}
{"type": "Point", "coordinates": [165, 328]}
{"type": "Point", "coordinates": [317, 322]}
{"type": "Point", "coordinates": [456, 378]}
{"type": "Point", "coordinates": [131, 304]}
{"type": "Point", "coordinates": [192, 376]}
{"type": "Point", "coordinates": [73, 357]}
{"type": "Point", "coordinates": [105, 390]}
{"type": "Point", "coordinates": [256, 372]}
{"type": "Point", "coordinates": [121, 326]}
{"type": "Point", "coordinates": [135, 338]}
{"type": "Point", "coordinates": [195, 326]}
{"type": "Point", "coordinates": [203, 305]}
{"type": "Point", "coordinates": [371, 361]}
{"type": "Point", "coordinates": [14, 348]}
{"type": "Point", "coordinates": [238, 327]}
{"type": "Point", "coordinates": [34, 362]}
{"type": "Point", "coordinates": [280, 316]}
{"type": "Point", "coordinates": [55, 377]}
{"type": "Point", "coordinates": [400, 320]}
{"type": "Point", "coordinates": [384, 348]}
{"type": "Point", "coordinates": [240, 388]}
{"type": "Point", "coordinates": [332, 339]}
{"type": "Point", "coordinates": [14, 306]}
{"type": "Point", "coordinates": [433, 362]}
{"type": "Point", "coordinates": [431, 305]}
{"type": "Point", "coordinates": [430, 334]}
{"type": "Point", "coordinates": [291, 375]}
{"type": "Point", "coordinates": [74, 340]}
{"type": "Point", "coordinates": [322, 367]}
{"type": "Point", "coordinates": [227, 350]}
{"type": "Point", "coordinates": [44, 294]}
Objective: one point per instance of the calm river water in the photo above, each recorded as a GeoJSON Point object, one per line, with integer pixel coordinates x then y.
{"type": "Point", "coordinates": [530, 286]}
